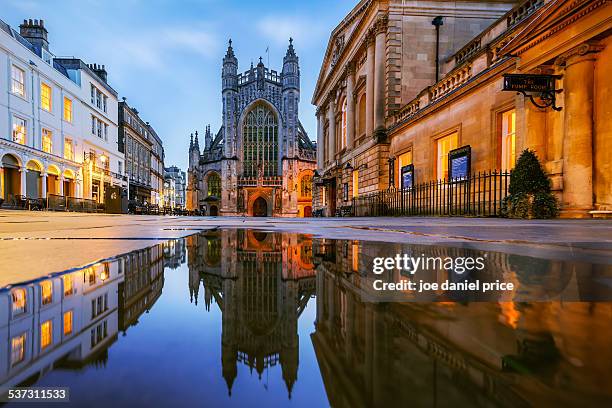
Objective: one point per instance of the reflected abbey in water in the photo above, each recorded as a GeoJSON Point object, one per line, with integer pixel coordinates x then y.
{"type": "Point", "coordinates": [364, 353]}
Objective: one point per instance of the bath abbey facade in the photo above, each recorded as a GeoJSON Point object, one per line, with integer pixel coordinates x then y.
{"type": "Point", "coordinates": [261, 161]}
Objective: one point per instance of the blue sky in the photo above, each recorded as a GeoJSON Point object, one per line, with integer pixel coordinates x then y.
{"type": "Point", "coordinates": [165, 56]}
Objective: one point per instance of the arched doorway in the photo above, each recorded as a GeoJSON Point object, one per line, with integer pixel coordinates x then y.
{"type": "Point", "coordinates": [308, 211]}
{"type": "Point", "coordinates": [33, 180]}
{"type": "Point", "coordinates": [260, 207]}
{"type": "Point", "coordinates": [214, 211]}
{"type": "Point", "coordinates": [53, 181]}
{"type": "Point", "coordinates": [69, 184]}
{"type": "Point", "coordinates": [11, 182]}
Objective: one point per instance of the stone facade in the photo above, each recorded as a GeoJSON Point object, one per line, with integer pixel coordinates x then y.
{"type": "Point", "coordinates": [425, 118]}
{"type": "Point", "coordinates": [261, 161]}
{"type": "Point", "coordinates": [378, 59]}
{"type": "Point", "coordinates": [568, 39]}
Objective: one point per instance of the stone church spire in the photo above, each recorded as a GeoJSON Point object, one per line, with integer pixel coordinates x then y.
{"type": "Point", "coordinates": [196, 144]}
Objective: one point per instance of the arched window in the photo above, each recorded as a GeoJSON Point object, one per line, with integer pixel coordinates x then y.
{"type": "Point", "coordinates": [343, 130]}
{"type": "Point", "coordinates": [214, 185]}
{"type": "Point", "coordinates": [362, 115]}
{"type": "Point", "coordinates": [260, 142]}
{"type": "Point", "coordinates": [306, 186]}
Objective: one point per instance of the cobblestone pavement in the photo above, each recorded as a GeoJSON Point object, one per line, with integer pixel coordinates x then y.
{"type": "Point", "coordinates": [33, 244]}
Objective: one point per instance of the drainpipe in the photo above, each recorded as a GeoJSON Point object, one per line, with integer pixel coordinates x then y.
{"type": "Point", "coordinates": [437, 22]}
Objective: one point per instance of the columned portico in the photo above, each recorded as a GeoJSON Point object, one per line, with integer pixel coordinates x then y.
{"type": "Point", "coordinates": [320, 140]}
{"type": "Point", "coordinates": [380, 30]}
{"type": "Point", "coordinates": [370, 61]}
{"type": "Point", "coordinates": [578, 83]}
{"type": "Point", "coordinates": [350, 105]}
{"type": "Point", "coordinates": [331, 115]}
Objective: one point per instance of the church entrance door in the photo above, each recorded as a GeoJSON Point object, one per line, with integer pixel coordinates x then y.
{"type": "Point", "coordinates": [214, 211]}
{"type": "Point", "coordinates": [260, 207]}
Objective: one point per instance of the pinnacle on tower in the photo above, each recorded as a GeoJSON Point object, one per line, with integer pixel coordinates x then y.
{"type": "Point", "coordinates": [191, 142]}
{"type": "Point", "coordinates": [230, 50]}
{"type": "Point", "coordinates": [196, 143]}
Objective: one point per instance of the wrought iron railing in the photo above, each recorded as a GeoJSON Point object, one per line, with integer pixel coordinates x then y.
{"type": "Point", "coordinates": [479, 195]}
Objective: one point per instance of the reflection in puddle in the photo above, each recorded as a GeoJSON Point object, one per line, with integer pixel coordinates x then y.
{"type": "Point", "coordinates": [235, 316]}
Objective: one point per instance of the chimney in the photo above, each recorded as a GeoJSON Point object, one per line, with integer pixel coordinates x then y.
{"type": "Point", "coordinates": [35, 32]}
{"type": "Point", "coordinates": [99, 70]}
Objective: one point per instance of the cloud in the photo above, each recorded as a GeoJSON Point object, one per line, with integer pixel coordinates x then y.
{"type": "Point", "coordinates": [278, 29]}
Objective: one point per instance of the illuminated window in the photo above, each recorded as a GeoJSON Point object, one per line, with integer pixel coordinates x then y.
{"type": "Point", "coordinates": [45, 97]}
{"type": "Point", "coordinates": [67, 109]}
{"type": "Point", "coordinates": [362, 115]}
{"type": "Point", "coordinates": [306, 186]}
{"type": "Point", "coordinates": [18, 345]}
{"type": "Point", "coordinates": [403, 159]}
{"type": "Point", "coordinates": [18, 81]}
{"type": "Point", "coordinates": [355, 253]}
{"type": "Point", "coordinates": [68, 149]}
{"type": "Point", "coordinates": [343, 138]}
{"type": "Point", "coordinates": [46, 334]}
{"type": "Point", "coordinates": [355, 183]}
{"type": "Point", "coordinates": [214, 185]}
{"type": "Point", "coordinates": [47, 141]}
{"type": "Point", "coordinates": [508, 140]}
{"type": "Point", "coordinates": [19, 301]}
{"type": "Point", "coordinates": [19, 130]}
{"type": "Point", "coordinates": [68, 285]}
{"type": "Point", "coordinates": [46, 288]}
{"type": "Point", "coordinates": [68, 323]}
{"type": "Point", "coordinates": [260, 142]}
{"type": "Point", "coordinates": [90, 276]}
{"type": "Point", "coordinates": [443, 146]}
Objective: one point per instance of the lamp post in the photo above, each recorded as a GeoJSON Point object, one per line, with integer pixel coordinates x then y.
{"type": "Point", "coordinates": [437, 22]}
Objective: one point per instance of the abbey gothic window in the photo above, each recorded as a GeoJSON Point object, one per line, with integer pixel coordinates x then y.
{"type": "Point", "coordinates": [214, 185]}
{"type": "Point", "coordinates": [260, 142]}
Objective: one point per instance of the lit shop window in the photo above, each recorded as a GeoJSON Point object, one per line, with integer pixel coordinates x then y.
{"type": "Point", "coordinates": [19, 130]}
{"type": "Point", "coordinates": [18, 346]}
{"type": "Point", "coordinates": [68, 323]}
{"type": "Point", "coordinates": [19, 301]}
{"type": "Point", "coordinates": [18, 81]}
{"type": "Point", "coordinates": [443, 146]}
{"type": "Point", "coordinates": [67, 109]}
{"type": "Point", "coordinates": [47, 141]}
{"type": "Point", "coordinates": [46, 289]}
{"type": "Point", "coordinates": [508, 140]}
{"type": "Point", "coordinates": [355, 183]}
{"type": "Point", "coordinates": [355, 255]}
{"type": "Point", "coordinates": [45, 97]}
{"type": "Point", "coordinates": [46, 334]}
{"type": "Point", "coordinates": [403, 159]}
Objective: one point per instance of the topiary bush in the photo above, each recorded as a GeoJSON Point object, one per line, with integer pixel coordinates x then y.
{"type": "Point", "coordinates": [529, 194]}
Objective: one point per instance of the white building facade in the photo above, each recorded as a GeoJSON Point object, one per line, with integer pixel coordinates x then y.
{"type": "Point", "coordinates": [58, 122]}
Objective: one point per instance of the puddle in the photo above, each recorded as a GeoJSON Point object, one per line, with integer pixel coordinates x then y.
{"type": "Point", "coordinates": [229, 317]}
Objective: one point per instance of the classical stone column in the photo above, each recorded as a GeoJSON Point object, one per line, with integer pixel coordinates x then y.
{"type": "Point", "coordinates": [578, 84]}
{"type": "Point", "coordinates": [61, 184]}
{"type": "Point", "coordinates": [331, 131]}
{"type": "Point", "coordinates": [320, 139]}
{"type": "Point", "coordinates": [380, 30]}
{"type": "Point", "coordinates": [22, 187]}
{"type": "Point", "coordinates": [350, 105]}
{"type": "Point", "coordinates": [43, 190]}
{"type": "Point", "coordinates": [2, 195]}
{"type": "Point", "coordinates": [369, 122]}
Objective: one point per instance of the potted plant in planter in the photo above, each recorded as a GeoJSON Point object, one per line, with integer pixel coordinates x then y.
{"type": "Point", "coordinates": [529, 191]}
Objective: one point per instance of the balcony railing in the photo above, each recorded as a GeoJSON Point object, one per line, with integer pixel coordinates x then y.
{"type": "Point", "coordinates": [479, 195]}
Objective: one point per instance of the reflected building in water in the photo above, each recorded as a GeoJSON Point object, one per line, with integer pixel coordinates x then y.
{"type": "Point", "coordinates": [262, 283]}
{"type": "Point", "coordinates": [70, 320]}
{"type": "Point", "coordinates": [459, 353]}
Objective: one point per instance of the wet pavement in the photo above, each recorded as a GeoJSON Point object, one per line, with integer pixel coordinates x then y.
{"type": "Point", "coordinates": [244, 317]}
{"type": "Point", "coordinates": [50, 242]}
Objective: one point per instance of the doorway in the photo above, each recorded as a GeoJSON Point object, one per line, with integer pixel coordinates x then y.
{"type": "Point", "coordinates": [260, 207]}
{"type": "Point", "coordinates": [214, 211]}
